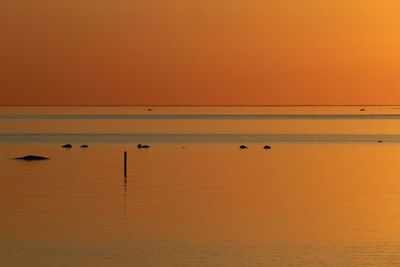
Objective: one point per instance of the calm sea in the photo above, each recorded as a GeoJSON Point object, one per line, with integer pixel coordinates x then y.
{"type": "Point", "coordinates": [326, 194]}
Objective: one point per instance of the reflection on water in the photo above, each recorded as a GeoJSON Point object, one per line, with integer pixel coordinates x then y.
{"type": "Point", "coordinates": [294, 205]}
{"type": "Point", "coordinates": [125, 217]}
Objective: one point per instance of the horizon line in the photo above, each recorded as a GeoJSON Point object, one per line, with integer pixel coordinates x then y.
{"type": "Point", "coordinates": [205, 105]}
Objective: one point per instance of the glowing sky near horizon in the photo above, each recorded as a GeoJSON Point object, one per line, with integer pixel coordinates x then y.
{"type": "Point", "coordinates": [155, 52]}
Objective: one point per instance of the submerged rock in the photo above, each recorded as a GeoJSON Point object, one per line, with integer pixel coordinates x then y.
{"type": "Point", "coordinates": [243, 147]}
{"type": "Point", "coordinates": [84, 146]}
{"type": "Point", "coordinates": [32, 157]}
{"type": "Point", "coordinates": [67, 146]}
{"type": "Point", "coordinates": [267, 147]}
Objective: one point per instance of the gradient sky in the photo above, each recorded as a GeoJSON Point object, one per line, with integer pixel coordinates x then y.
{"type": "Point", "coordinates": [247, 52]}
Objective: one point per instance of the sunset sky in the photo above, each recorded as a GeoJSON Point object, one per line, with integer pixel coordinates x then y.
{"type": "Point", "coordinates": [208, 52]}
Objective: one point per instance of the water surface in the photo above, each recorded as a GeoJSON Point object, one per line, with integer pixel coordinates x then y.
{"type": "Point", "coordinates": [326, 194]}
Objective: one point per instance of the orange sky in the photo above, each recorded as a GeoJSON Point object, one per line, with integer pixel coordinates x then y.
{"type": "Point", "coordinates": [74, 52]}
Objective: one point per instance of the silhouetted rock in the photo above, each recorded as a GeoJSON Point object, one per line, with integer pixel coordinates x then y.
{"type": "Point", "coordinates": [32, 157]}
{"type": "Point", "coordinates": [267, 147]}
{"type": "Point", "coordinates": [243, 147]}
{"type": "Point", "coordinates": [84, 146]}
{"type": "Point", "coordinates": [142, 146]}
{"type": "Point", "coordinates": [149, 109]}
{"type": "Point", "coordinates": [380, 141]}
{"type": "Point", "coordinates": [362, 109]}
{"type": "Point", "coordinates": [67, 146]}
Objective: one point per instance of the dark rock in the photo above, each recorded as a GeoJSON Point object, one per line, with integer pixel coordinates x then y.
{"type": "Point", "coordinates": [380, 141]}
{"type": "Point", "coordinates": [267, 147]}
{"type": "Point", "coordinates": [67, 146]}
{"type": "Point", "coordinates": [84, 146]}
{"type": "Point", "coordinates": [142, 146]}
{"type": "Point", "coordinates": [32, 157]}
{"type": "Point", "coordinates": [362, 109]}
{"type": "Point", "coordinates": [149, 109]}
{"type": "Point", "coordinates": [243, 147]}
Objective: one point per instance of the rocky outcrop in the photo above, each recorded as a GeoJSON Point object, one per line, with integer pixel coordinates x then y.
{"type": "Point", "coordinates": [143, 146]}
{"type": "Point", "coordinates": [32, 157]}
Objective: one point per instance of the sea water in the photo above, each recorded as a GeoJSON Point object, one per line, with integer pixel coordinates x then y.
{"type": "Point", "coordinates": [326, 194]}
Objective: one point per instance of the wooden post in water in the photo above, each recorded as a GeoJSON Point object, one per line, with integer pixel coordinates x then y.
{"type": "Point", "coordinates": [125, 160]}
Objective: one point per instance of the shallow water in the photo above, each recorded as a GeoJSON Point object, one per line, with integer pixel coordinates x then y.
{"type": "Point", "coordinates": [200, 201]}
